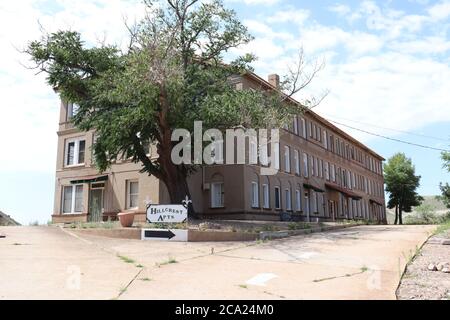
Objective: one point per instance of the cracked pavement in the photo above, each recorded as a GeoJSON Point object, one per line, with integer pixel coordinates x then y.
{"type": "Point", "coordinates": [362, 262]}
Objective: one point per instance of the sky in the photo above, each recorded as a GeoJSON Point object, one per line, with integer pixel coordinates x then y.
{"type": "Point", "coordinates": [387, 71]}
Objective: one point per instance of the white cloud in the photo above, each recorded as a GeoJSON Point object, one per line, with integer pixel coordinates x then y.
{"type": "Point", "coordinates": [341, 9]}
{"type": "Point", "coordinates": [296, 16]}
{"type": "Point", "coordinates": [29, 113]}
{"type": "Point", "coordinates": [440, 11]}
{"type": "Point", "coordinates": [256, 2]}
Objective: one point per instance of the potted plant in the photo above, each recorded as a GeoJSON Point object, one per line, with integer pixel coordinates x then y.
{"type": "Point", "coordinates": [126, 219]}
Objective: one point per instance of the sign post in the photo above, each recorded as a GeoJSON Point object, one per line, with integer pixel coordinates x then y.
{"type": "Point", "coordinates": [167, 214]}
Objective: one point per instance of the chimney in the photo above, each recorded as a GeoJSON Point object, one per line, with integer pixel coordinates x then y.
{"type": "Point", "coordinates": [274, 80]}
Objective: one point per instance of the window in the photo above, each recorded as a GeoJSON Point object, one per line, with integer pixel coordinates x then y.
{"type": "Point", "coordinates": [314, 201]}
{"type": "Point", "coordinates": [287, 159]}
{"type": "Point", "coordinates": [327, 170]}
{"type": "Point", "coordinates": [265, 191]}
{"type": "Point", "coordinates": [333, 173]}
{"type": "Point", "coordinates": [287, 197]}
{"type": "Point", "coordinates": [316, 166]}
{"type": "Point", "coordinates": [303, 127]}
{"type": "Point", "coordinates": [277, 198]}
{"type": "Point", "coordinates": [321, 168]}
{"type": "Point", "coordinates": [311, 163]}
{"type": "Point", "coordinates": [277, 155]}
{"type": "Point", "coordinates": [217, 195]}
{"type": "Point", "coordinates": [295, 125]}
{"type": "Point", "coordinates": [72, 110]}
{"type": "Point", "coordinates": [325, 139]}
{"type": "Point", "coordinates": [305, 165]}
{"type": "Point", "coordinates": [75, 152]}
{"type": "Point", "coordinates": [255, 198]}
{"type": "Point", "coordinates": [298, 201]}
{"type": "Point", "coordinates": [306, 202]}
{"type": "Point", "coordinates": [297, 162]}
{"type": "Point", "coordinates": [73, 199]}
{"type": "Point", "coordinates": [132, 194]}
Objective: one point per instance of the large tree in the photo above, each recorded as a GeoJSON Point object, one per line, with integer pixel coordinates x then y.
{"type": "Point", "coordinates": [445, 188]}
{"type": "Point", "coordinates": [401, 185]}
{"type": "Point", "coordinates": [172, 74]}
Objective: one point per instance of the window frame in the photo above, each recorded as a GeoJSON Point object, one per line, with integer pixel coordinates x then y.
{"type": "Point", "coordinates": [128, 195]}
{"type": "Point", "coordinates": [76, 157]}
{"type": "Point", "coordinates": [254, 194]}
{"type": "Point", "coordinates": [222, 198]}
{"type": "Point", "coordinates": [266, 196]}
{"type": "Point", "coordinates": [73, 198]}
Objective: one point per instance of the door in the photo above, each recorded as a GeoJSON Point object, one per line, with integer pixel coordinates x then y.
{"type": "Point", "coordinates": [96, 205]}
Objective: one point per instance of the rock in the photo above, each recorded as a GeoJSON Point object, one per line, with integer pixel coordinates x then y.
{"type": "Point", "coordinates": [445, 242]}
{"type": "Point", "coordinates": [446, 270]}
{"type": "Point", "coordinates": [432, 267]}
{"type": "Point", "coordinates": [442, 265]}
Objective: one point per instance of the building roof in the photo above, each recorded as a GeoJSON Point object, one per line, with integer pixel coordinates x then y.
{"type": "Point", "coordinates": [325, 122]}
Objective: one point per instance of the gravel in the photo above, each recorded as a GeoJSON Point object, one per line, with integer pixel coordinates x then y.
{"type": "Point", "coordinates": [419, 281]}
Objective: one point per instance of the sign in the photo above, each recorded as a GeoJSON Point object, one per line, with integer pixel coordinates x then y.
{"type": "Point", "coordinates": [167, 213]}
{"type": "Point", "coordinates": [164, 235]}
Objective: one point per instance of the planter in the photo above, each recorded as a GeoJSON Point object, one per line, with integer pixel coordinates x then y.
{"type": "Point", "coordinates": [126, 219]}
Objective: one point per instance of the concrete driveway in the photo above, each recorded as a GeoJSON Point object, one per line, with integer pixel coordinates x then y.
{"type": "Point", "coordinates": [355, 263]}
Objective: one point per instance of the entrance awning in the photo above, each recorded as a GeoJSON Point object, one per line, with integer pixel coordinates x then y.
{"type": "Point", "coordinates": [343, 190]}
{"type": "Point", "coordinates": [313, 187]}
{"type": "Point", "coordinates": [89, 179]}
{"type": "Point", "coordinates": [376, 202]}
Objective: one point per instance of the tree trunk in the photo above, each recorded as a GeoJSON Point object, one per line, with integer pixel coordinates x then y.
{"type": "Point", "coordinates": [396, 215]}
{"type": "Point", "coordinates": [175, 179]}
{"type": "Point", "coordinates": [400, 215]}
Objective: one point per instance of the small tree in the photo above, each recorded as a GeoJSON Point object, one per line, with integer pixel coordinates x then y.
{"type": "Point", "coordinates": [445, 188]}
{"type": "Point", "coordinates": [172, 74]}
{"type": "Point", "coordinates": [401, 184]}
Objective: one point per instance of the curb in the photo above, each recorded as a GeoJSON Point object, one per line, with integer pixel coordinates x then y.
{"type": "Point", "coordinates": [268, 235]}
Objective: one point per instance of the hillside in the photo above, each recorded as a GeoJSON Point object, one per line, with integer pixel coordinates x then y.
{"type": "Point", "coordinates": [439, 208]}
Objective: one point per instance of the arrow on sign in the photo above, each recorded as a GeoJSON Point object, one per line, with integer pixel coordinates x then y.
{"type": "Point", "coordinates": [164, 234]}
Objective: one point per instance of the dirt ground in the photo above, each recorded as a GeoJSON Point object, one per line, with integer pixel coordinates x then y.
{"type": "Point", "coordinates": [418, 283]}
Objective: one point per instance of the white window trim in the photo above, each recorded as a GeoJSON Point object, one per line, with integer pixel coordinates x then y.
{"type": "Point", "coordinates": [298, 200]}
{"type": "Point", "coordinates": [304, 134]}
{"type": "Point", "coordinates": [297, 162]}
{"type": "Point", "coordinates": [305, 165]}
{"type": "Point", "coordinates": [214, 205]}
{"type": "Point", "coordinates": [76, 152]}
{"type": "Point", "coordinates": [279, 198]}
{"type": "Point", "coordinates": [287, 159]}
{"type": "Point", "coordinates": [255, 195]}
{"type": "Point", "coordinates": [288, 198]}
{"type": "Point", "coordinates": [73, 196]}
{"type": "Point", "coordinates": [266, 193]}
{"type": "Point", "coordinates": [128, 204]}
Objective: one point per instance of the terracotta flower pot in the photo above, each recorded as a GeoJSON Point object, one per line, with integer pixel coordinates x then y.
{"type": "Point", "coordinates": [126, 219]}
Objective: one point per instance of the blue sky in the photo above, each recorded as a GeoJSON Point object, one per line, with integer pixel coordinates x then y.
{"type": "Point", "coordinates": [387, 66]}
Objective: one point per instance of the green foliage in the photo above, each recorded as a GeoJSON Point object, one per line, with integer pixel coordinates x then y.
{"type": "Point", "coordinates": [401, 184]}
{"type": "Point", "coordinates": [171, 75]}
{"type": "Point", "coordinates": [445, 188]}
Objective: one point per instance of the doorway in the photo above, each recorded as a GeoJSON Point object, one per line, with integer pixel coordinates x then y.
{"type": "Point", "coordinates": [96, 203]}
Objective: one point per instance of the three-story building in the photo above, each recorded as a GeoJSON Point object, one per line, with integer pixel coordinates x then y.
{"type": "Point", "coordinates": [324, 175]}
